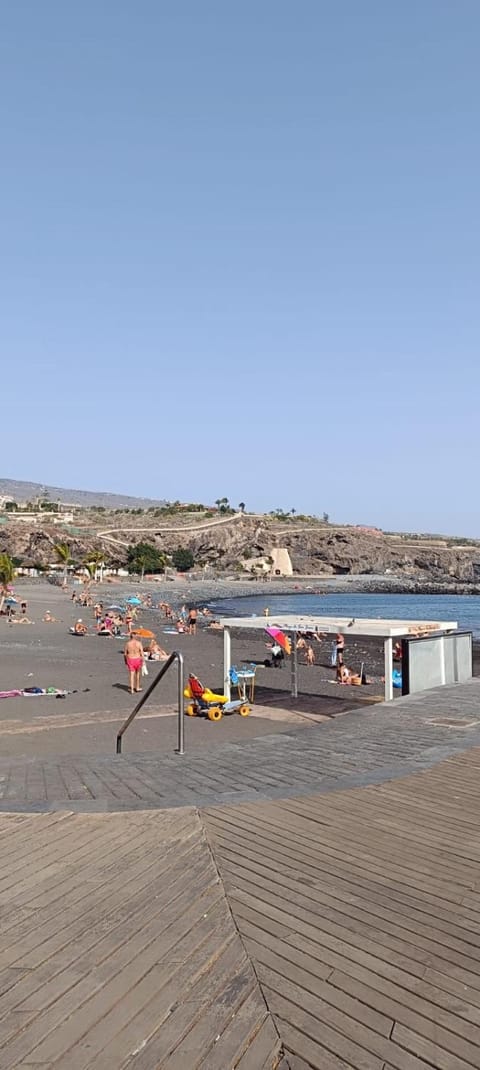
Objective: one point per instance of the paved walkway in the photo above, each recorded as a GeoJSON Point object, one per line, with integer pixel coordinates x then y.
{"type": "Point", "coordinates": [367, 746]}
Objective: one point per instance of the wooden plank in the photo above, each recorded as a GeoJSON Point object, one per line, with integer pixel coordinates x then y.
{"type": "Point", "coordinates": [337, 880]}
{"type": "Point", "coordinates": [335, 858]}
{"type": "Point", "coordinates": [419, 923]}
{"type": "Point", "coordinates": [225, 1002]}
{"type": "Point", "coordinates": [329, 999]}
{"type": "Point", "coordinates": [419, 995]}
{"type": "Point", "coordinates": [33, 948]}
{"type": "Point", "coordinates": [432, 1051]}
{"type": "Point", "coordinates": [445, 1030]}
{"type": "Point", "coordinates": [411, 913]}
{"type": "Point", "coordinates": [317, 1056]}
{"type": "Point", "coordinates": [104, 1031]}
{"type": "Point", "coordinates": [289, 1012]}
{"type": "Point", "coordinates": [130, 1023]}
{"type": "Point", "coordinates": [183, 1014]}
{"type": "Point", "coordinates": [227, 1049]}
{"type": "Point", "coordinates": [387, 939]}
{"type": "Point", "coordinates": [126, 959]}
{"type": "Point", "coordinates": [330, 892]}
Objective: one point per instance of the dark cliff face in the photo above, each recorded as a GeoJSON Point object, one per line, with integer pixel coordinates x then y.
{"type": "Point", "coordinates": [314, 550]}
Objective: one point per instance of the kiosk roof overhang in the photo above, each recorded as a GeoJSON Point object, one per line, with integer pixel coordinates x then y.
{"type": "Point", "coordinates": [380, 629]}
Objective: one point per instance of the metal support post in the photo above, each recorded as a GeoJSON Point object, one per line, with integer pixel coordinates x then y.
{"type": "Point", "coordinates": [388, 662]}
{"type": "Point", "coordinates": [294, 666]}
{"type": "Point", "coordinates": [227, 662]}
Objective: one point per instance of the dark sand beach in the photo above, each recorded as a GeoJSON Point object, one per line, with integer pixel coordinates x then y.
{"type": "Point", "coordinates": [86, 721]}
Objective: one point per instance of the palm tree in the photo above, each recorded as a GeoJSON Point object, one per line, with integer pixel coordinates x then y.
{"type": "Point", "coordinates": [91, 569]}
{"type": "Point", "coordinates": [241, 506]}
{"type": "Point", "coordinates": [7, 575]}
{"type": "Point", "coordinates": [96, 558]}
{"type": "Point", "coordinates": [62, 551]}
{"type": "Point", "coordinates": [142, 562]}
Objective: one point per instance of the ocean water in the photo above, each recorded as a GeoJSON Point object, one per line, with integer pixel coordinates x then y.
{"type": "Point", "coordinates": [465, 609]}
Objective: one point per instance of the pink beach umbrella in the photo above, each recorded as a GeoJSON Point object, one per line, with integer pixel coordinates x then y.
{"type": "Point", "coordinates": [280, 638]}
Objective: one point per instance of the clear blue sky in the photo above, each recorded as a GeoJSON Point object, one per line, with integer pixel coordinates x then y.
{"type": "Point", "coordinates": [240, 253]}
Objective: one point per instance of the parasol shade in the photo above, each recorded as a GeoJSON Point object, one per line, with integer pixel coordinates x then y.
{"type": "Point", "coordinates": [280, 638]}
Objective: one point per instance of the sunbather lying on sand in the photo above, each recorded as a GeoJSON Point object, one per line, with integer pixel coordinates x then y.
{"type": "Point", "coordinates": [155, 652]}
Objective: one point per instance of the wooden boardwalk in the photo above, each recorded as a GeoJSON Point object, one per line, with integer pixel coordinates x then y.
{"type": "Point", "coordinates": [118, 949]}
{"type": "Point", "coordinates": [361, 913]}
{"type": "Point", "coordinates": [335, 931]}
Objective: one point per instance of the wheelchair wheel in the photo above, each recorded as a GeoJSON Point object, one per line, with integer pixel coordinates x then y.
{"type": "Point", "coordinates": [244, 710]}
{"type": "Point", "coordinates": [215, 713]}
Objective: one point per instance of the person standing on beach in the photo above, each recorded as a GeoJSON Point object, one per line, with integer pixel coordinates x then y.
{"type": "Point", "coordinates": [133, 655]}
{"type": "Point", "coordinates": [192, 621]}
{"type": "Point", "coordinates": [340, 646]}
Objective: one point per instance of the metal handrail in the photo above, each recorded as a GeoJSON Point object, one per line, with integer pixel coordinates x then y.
{"type": "Point", "coordinates": [176, 656]}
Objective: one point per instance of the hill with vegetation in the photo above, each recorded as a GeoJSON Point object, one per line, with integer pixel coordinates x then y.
{"type": "Point", "coordinates": [228, 541]}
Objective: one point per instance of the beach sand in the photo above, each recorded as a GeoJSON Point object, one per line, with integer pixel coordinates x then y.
{"type": "Point", "coordinates": [86, 722]}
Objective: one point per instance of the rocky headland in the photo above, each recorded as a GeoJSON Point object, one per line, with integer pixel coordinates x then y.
{"type": "Point", "coordinates": [318, 551]}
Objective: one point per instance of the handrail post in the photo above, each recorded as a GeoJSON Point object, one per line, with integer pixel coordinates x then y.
{"type": "Point", "coordinates": [181, 715]}
{"type": "Point", "coordinates": [175, 656]}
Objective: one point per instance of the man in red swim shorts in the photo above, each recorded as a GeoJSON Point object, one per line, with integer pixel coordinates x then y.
{"type": "Point", "coordinates": [133, 655]}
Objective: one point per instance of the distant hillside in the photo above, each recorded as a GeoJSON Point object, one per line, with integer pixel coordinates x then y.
{"type": "Point", "coordinates": [21, 491]}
